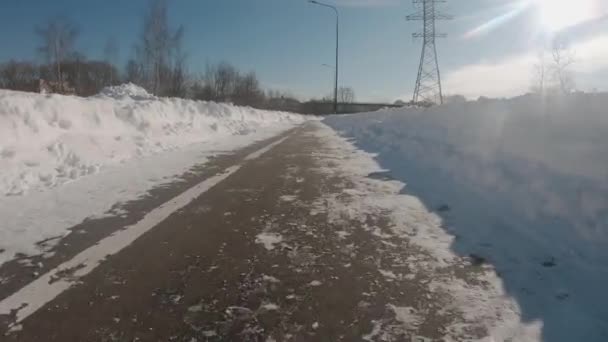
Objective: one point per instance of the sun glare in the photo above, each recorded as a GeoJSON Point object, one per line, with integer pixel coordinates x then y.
{"type": "Point", "coordinates": [556, 15]}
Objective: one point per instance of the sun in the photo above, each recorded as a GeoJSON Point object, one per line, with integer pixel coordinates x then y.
{"type": "Point", "coordinates": [556, 15]}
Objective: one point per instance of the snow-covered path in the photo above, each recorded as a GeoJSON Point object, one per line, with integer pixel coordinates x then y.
{"type": "Point", "coordinates": [46, 215]}
{"type": "Point", "coordinates": [232, 223]}
{"type": "Point", "coordinates": [64, 159]}
{"type": "Point", "coordinates": [298, 238]}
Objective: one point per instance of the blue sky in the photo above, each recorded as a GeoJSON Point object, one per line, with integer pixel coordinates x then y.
{"type": "Point", "coordinates": [286, 41]}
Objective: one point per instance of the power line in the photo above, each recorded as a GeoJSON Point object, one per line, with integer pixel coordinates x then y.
{"type": "Point", "coordinates": [428, 82]}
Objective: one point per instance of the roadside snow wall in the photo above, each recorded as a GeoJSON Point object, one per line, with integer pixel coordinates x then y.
{"type": "Point", "coordinates": [47, 140]}
{"type": "Point", "coordinates": [521, 184]}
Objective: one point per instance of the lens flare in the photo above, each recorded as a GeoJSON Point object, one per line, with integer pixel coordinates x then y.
{"type": "Point", "coordinates": [498, 21]}
{"type": "Point", "coordinates": [556, 15]}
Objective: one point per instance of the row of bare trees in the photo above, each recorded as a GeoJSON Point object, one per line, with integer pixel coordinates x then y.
{"type": "Point", "coordinates": [158, 64]}
{"type": "Point", "coordinates": [87, 77]}
{"type": "Point", "coordinates": [58, 39]}
{"type": "Point", "coordinates": [552, 71]}
{"type": "Point", "coordinates": [63, 65]}
{"type": "Point", "coordinates": [224, 83]}
{"type": "Point", "coordinates": [159, 61]}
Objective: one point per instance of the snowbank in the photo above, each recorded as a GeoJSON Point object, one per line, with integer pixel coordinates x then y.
{"type": "Point", "coordinates": [47, 140]}
{"type": "Point", "coordinates": [520, 183]}
{"type": "Point", "coordinates": [129, 90]}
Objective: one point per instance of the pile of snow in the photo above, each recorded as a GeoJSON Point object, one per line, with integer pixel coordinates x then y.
{"type": "Point", "coordinates": [522, 184]}
{"type": "Point", "coordinates": [46, 141]}
{"type": "Point", "coordinates": [127, 90]}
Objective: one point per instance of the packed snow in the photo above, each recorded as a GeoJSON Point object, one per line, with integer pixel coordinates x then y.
{"type": "Point", "coordinates": [48, 140]}
{"type": "Point", "coordinates": [124, 141]}
{"type": "Point", "coordinates": [521, 184]}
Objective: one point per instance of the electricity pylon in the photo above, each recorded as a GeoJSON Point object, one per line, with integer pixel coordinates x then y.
{"type": "Point", "coordinates": [428, 82]}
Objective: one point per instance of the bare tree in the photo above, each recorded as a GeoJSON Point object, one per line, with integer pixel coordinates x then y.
{"type": "Point", "coordinates": [563, 59]}
{"type": "Point", "coordinates": [156, 40]}
{"type": "Point", "coordinates": [159, 53]}
{"type": "Point", "coordinates": [224, 81]}
{"type": "Point", "coordinates": [346, 95]}
{"type": "Point", "coordinates": [57, 38]}
{"type": "Point", "coordinates": [111, 54]}
{"type": "Point", "coordinates": [133, 72]}
{"type": "Point", "coordinates": [177, 72]}
{"type": "Point", "coordinates": [247, 90]}
{"type": "Point", "coordinates": [155, 43]}
{"type": "Point", "coordinates": [22, 76]}
{"type": "Point", "coordinates": [540, 73]}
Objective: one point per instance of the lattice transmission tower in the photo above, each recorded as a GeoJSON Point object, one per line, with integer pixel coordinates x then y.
{"type": "Point", "coordinates": [428, 82]}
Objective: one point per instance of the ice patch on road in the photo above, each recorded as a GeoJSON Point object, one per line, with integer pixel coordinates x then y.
{"type": "Point", "coordinates": [269, 240]}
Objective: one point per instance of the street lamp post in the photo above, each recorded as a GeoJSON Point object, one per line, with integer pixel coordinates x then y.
{"type": "Point", "coordinates": [337, 49]}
